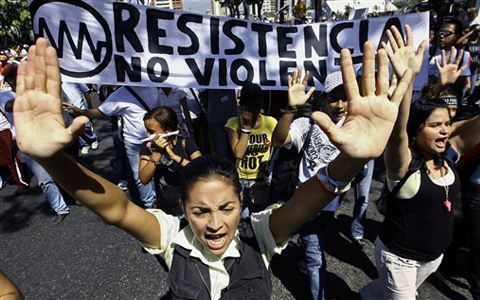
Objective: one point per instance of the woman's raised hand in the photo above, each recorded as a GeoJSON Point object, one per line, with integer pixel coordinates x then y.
{"type": "Point", "coordinates": [403, 56]}
{"type": "Point", "coordinates": [39, 125]}
{"type": "Point", "coordinates": [370, 117]}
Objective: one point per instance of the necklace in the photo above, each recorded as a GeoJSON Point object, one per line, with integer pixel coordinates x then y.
{"type": "Point", "coordinates": [446, 203]}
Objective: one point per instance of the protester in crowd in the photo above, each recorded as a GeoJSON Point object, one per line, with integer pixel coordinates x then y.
{"type": "Point", "coordinates": [78, 94]}
{"type": "Point", "coordinates": [221, 106]}
{"type": "Point", "coordinates": [418, 225]}
{"type": "Point", "coordinates": [163, 158]}
{"type": "Point", "coordinates": [448, 36]}
{"type": "Point", "coordinates": [250, 138]}
{"type": "Point", "coordinates": [472, 41]}
{"type": "Point", "coordinates": [211, 199]}
{"type": "Point", "coordinates": [45, 181]}
{"type": "Point", "coordinates": [9, 152]}
{"type": "Point", "coordinates": [131, 103]}
{"type": "Point", "coordinates": [319, 153]}
{"type": "Point", "coordinates": [176, 99]}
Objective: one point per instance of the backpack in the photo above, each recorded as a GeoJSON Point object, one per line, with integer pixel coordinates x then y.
{"type": "Point", "coordinates": [281, 172]}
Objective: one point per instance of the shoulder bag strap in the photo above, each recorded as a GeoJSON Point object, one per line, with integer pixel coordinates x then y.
{"type": "Point", "coordinates": [139, 99]}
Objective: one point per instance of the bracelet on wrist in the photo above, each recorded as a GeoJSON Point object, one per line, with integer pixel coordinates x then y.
{"type": "Point", "coordinates": [181, 161]}
{"type": "Point", "coordinates": [336, 187]}
{"type": "Point", "coordinates": [247, 131]}
{"type": "Point", "coordinates": [290, 110]}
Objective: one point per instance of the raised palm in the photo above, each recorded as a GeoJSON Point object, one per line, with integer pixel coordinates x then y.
{"type": "Point", "coordinates": [370, 117]}
{"type": "Point", "coordinates": [39, 125]}
{"type": "Point", "coordinates": [296, 89]}
{"type": "Point", "coordinates": [449, 72]}
{"type": "Point", "coordinates": [403, 56]}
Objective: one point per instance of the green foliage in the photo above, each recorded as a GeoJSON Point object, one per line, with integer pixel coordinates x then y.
{"type": "Point", "coordinates": [15, 23]}
{"type": "Point", "coordinates": [345, 14]}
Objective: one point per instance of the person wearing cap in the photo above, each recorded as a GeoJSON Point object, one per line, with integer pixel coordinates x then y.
{"type": "Point", "coordinates": [250, 136]}
{"type": "Point", "coordinates": [319, 153]}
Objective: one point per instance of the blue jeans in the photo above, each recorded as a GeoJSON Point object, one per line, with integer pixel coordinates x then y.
{"type": "Point", "coordinates": [312, 235]}
{"type": "Point", "coordinates": [147, 191]}
{"type": "Point", "coordinates": [88, 136]}
{"type": "Point", "coordinates": [362, 190]}
{"type": "Point", "coordinates": [120, 152]}
{"type": "Point", "coordinates": [245, 185]}
{"type": "Point", "coordinates": [473, 79]}
{"type": "Point", "coordinates": [48, 186]}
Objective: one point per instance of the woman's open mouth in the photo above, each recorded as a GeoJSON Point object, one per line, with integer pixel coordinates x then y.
{"type": "Point", "coordinates": [216, 241]}
{"type": "Point", "coordinates": [441, 142]}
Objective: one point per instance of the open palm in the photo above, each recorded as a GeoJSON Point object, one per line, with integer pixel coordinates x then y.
{"type": "Point", "coordinates": [296, 89]}
{"type": "Point", "coordinates": [403, 56]}
{"type": "Point", "coordinates": [39, 125]}
{"type": "Point", "coordinates": [370, 117]}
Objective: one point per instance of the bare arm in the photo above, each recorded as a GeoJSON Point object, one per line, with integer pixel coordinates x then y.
{"type": "Point", "coordinates": [238, 142]}
{"type": "Point", "coordinates": [41, 134]}
{"type": "Point", "coordinates": [92, 113]}
{"type": "Point", "coordinates": [362, 137]}
{"type": "Point", "coordinates": [465, 135]}
{"type": "Point", "coordinates": [89, 99]}
{"type": "Point", "coordinates": [397, 154]}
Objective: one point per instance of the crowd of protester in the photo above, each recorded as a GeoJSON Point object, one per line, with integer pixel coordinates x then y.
{"type": "Point", "coordinates": [161, 134]}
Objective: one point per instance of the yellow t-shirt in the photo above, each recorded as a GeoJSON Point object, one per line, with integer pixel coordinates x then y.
{"type": "Point", "coordinates": [258, 147]}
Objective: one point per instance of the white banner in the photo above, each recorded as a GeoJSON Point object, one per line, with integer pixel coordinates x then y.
{"type": "Point", "coordinates": [120, 43]}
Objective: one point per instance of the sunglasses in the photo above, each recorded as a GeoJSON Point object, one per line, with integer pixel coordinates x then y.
{"type": "Point", "coordinates": [446, 33]}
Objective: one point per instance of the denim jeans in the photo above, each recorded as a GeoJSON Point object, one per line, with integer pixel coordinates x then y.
{"type": "Point", "coordinates": [247, 205]}
{"type": "Point", "coordinates": [473, 79]}
{"type": "Point", "coordinates": [472, 215]}
{"type": "Point", "coordinates": [312, 235]}
{"type": "Point", "coordinates": [88, 136]}
{"type": "Point", "coordinates": [362, 190]}
{"type": "Point", "coordinates": [48, 186]}
{"type": "Point", "coordinates": [120, 152]}
{"type": "Point", "coordinates": [399, 278]}
{"type": "Point", "coordinates": [147, 191]}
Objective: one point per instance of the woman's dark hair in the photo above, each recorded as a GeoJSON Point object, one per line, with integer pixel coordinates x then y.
{"type": "Point", "coordinates": [207, 166]}
{"type": "Point", "coordinates": [419, 113]}
{"type": "Point", "coordinates": [165, 116]}
{"type": "Point", "coordinates": [251, 95]}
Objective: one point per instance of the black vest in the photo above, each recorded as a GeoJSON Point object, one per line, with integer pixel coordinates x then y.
{"type": "Point", "coordinates": [189, 278]}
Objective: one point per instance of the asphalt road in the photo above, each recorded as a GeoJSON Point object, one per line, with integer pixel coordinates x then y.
{"type": "Point", "coordinates": [83, 258]}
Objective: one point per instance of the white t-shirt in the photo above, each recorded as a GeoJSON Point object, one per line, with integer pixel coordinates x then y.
{"type": "Point", "coordinates": [219, 278]}
{"type": "Point", "coordinates": [173, 100]}
{"type": "Point", "coordinates": [73, 93]}
{"type": "Point", "coordinates": [4, 124]}
{"type": "Point", "coordinates": [5, 97]}
{"type": "Point", "coordinates": [319, 153]}
{"type": "Point", "coordinates": [124, 104]}
{"type": "Point", "coordinates": [432, 68]}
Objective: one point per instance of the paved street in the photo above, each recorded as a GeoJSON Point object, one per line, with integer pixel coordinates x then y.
{"type": "Point", "coordinates": [82, 258]}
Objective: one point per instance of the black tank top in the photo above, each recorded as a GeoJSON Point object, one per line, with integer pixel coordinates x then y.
{"type": "Point", "coordinates": [421, 228]}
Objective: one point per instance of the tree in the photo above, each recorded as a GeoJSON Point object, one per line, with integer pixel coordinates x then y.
{"type": "Point", "coordinates": [15, 23]}
{"type": "Point", "coordinates": [345, 14]}
{"type": "Point", "coordinates": [233, 7]}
